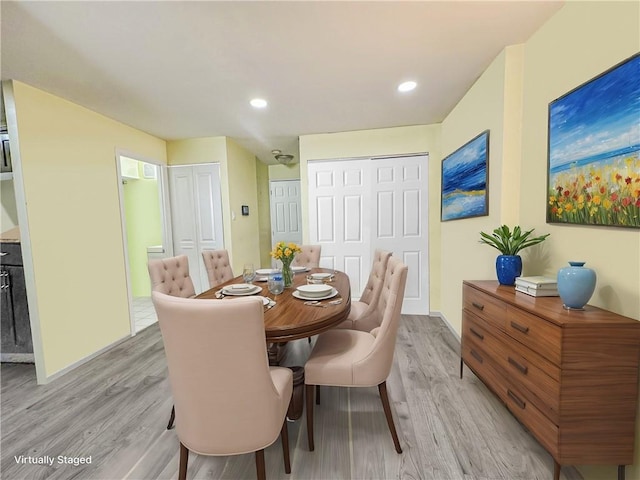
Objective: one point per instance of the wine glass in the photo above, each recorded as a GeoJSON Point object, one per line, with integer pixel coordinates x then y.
{"type": "Point", "coordinates": [248, 273]}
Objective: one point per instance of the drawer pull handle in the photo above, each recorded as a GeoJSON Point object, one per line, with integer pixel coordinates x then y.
{"type": "Point", "coordinates": [516, 399]}
{"type": "Point", "coordinates": [477, 356]}
{"type": "Point", "coordinates": [477, 334]}
{"type": "Point", "coordinates": [479, 306]}
{"type": "Point", "coordinates": [519, 327]}
{"type": "Point", "coordinates": [524, 369]}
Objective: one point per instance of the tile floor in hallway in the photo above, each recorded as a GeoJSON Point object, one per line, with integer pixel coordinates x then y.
{"type": "Point", "coordinates": [143, 313]}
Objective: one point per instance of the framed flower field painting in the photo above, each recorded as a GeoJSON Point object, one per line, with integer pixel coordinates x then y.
{"type": "Point", "coordinates": [465, 180]}
{"type": "Point", "coordinates": [594, 151]}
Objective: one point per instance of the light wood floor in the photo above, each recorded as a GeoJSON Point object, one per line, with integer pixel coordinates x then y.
{"type": "Point", "coordinates": [115, 409]}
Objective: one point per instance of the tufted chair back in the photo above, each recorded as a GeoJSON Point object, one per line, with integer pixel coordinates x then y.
{"type": "Point", "coordinates": [309, 256]}
{"type": "Point", "coordinates": [218, 267]}
{"type": "Point", "coordinates": [171, 276]}
{"type": "Point", "coordinates": [364, 314]}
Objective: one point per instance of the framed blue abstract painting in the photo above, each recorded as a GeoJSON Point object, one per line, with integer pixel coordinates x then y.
{"type": "Point", "coordinates": [594, 151]}
{"type": "Point", "coordinates": [465, 180]}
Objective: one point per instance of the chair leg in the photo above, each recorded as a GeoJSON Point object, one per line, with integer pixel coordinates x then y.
{"type": "Point", "coordinates": [172, 418]}
{"type": "Point", "coordinates": [382, 388]}
{"type": "Point", "coordinates": [284, 434]}
{"type": "Point", "coordinates": [317, 394]}
{"type": "Point", "coordinates": [184, 458]}
{"type": "Point", "coordinates": [260, 471]}
{"type": "Point", "coordinates": [309, 397]}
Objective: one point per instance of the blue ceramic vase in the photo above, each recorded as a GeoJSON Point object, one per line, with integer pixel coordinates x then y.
{"type": "Point", "coordinates": [576, 285]}
{"type": "Point", "coordinates": [508, 267]}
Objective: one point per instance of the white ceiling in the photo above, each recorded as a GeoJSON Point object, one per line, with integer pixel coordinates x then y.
{"type": "Point", "coordinates": [188, 69]}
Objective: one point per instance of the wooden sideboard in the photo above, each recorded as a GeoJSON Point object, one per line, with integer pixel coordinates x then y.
{"type": "Point", "coordinates": [569, 376]}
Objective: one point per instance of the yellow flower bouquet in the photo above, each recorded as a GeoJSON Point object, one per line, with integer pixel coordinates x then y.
{"type": "Point", "coordinates": [285, 252]}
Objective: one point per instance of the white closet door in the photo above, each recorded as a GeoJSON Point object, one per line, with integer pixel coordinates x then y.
{"type": "Point", "coordinates": [400, 222]}
{"type": "Point", "coordinates": [356, 206]}
{"type": "Point", "coordinates": [196, 215]}
{"type": "Point", "coordinates": [338, 216]}
{"type": "Point", "coordinates": [286, 217]}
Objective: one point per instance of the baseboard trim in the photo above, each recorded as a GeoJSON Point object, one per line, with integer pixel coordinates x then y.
{"type": "Point", "coordinates": [447, 323]}
{"type": "Point", "coordinates": [83, 360]}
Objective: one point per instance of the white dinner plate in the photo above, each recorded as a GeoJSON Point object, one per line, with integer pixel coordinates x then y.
{"type": "Point", "coordinates": [252, 291]}
{"type": "Point", "coordinates": [264, 271]}
{"type": "Point", "coordinates": [299, 269]}
{"type": "Point", "coordinates": [263, 278]}
{"type": "Point", "coordinates": [299, 296]}
{"type": "Point", "coordinates": [315, 290]}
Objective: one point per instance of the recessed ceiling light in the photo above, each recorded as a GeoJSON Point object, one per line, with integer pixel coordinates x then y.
{"type": "Point", "coordinates": [407, 86]}
{"type": "Point", "coordinates": [258, 103]}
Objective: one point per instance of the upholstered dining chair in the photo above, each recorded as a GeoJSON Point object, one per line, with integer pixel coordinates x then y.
{"type": "Point", "coordinates": [309, 256]}
{"type": "Point", "coordinates": [171, 276]}
{"type": "Point", "coordinates": [218, 267]}
{"type": "Point", "coordinates": [228, 400]}
{"type": "Point", "coordinates": [364, 314]}
{"type": "Point", "coordinates": [351, 358]}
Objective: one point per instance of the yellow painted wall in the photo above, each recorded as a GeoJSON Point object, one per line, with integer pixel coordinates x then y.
{"type": "Point", "coordinates": [490, 101]}
{"type": "Point", "coordinates": [581, 41]}
{"type": "Point", "coordinates": [384, 141]}
{"type": "Point", "coordinates": [243, 190]}
{"type": "Point", "coordinates": [71, 188]}
{"type": "Point", "coordinates": [197, 150]}
{"type": "Point", "coordinates": [284, 172]}
{"type": "Point", "coordinates": [264, 213]}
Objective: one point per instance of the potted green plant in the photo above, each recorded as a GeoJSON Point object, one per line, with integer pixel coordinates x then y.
{"type": "Point", "coordinates": [509, 243]}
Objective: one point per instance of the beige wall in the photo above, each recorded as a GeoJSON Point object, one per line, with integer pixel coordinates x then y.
{"type": "Point", "coordinates": [243, 190]}
{"type": "Point", "coordinates": [284, 172]}
{"type": "Point", "coordinates": [8, 211]}
{"type": "Point", "coordinates": [71, 188]}
{"type": "Point", "coordinates": [263, 211]}
{"type": "Point", "coordinates": [384, 141]}
{"type": "Point", "coordinates": [581, 41]}
{"type": "Point", "coordinates": [197, 150]}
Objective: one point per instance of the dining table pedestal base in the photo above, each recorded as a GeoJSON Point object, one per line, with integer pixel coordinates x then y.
{"type": "Point", "coordinates": [297, 398]}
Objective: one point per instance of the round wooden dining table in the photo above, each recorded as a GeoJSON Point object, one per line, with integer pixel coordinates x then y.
{"type": "Point", "coordinates": [291, 318]}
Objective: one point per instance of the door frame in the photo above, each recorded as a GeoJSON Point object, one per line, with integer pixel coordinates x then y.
{"type": "Point", "coordinates": [167, 241]}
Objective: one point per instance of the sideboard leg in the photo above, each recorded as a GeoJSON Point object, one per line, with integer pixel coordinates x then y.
{"type": "Point", "coordinates": [556, 470]}
{"type": "Point", "coordinates": [461, 366]}
{"type": "Point", "coordinates": [621, 470]}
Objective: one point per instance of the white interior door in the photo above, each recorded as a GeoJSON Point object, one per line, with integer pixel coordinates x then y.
{"type": "Point", "coordinates": [338, 217]}
{"type": "Point", "coordinates": [400, 222]}
{"type": "Point", "coordinates": [286, 217]}
{"type": "Point", "coordinates": [356, 206]}
{"type": "Point", "coordinates": [196, 214]}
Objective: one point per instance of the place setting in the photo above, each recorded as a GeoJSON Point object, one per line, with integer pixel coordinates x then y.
{"type": "Point", "coordinates": [313, 294]}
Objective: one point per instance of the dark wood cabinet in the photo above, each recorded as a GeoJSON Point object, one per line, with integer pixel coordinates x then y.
{"type": "Point", "coordinates": [570, 377]}
{"type": "Point", "coordinates": [15, 329]}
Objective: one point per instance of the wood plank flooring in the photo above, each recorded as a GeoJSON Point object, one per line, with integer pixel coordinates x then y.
{"type": "Point", "coordinates": [115, 409]}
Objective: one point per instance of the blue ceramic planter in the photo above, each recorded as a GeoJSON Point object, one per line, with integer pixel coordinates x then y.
{"type": "Point", "coordinates": [508, 267]}
{"type": "Point", "coordinates": [576, 285]}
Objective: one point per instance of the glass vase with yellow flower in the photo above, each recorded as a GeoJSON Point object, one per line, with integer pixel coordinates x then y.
{"type": "Point", "coordinates": [285, 252]}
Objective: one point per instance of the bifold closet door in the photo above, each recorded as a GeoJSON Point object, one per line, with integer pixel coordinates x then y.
{"type": "Point", "coordinates": [196, 215]}
{"type": "Point", "coordinates": [356, 206]}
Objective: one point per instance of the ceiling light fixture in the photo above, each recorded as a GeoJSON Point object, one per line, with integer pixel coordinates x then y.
{"type": "Point", "coordinates": [258, 103]}
{"type": "Point", "coordinates": [282, 158]}
{"type": "Point", "coordinates": [407, 86]}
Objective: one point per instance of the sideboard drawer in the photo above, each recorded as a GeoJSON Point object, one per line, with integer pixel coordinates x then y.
{"type": "Point", "coordinates": [536, 333]}
{"type": "Point", "coordinates": [486, 307]}
{"type": "Point", "coordinates": [540, 426]}
{"type": "Point", "coordinates": [481, 364]}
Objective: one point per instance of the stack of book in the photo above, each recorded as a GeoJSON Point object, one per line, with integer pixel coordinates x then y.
{"type": "Point", "coordinates": [537, 286]}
